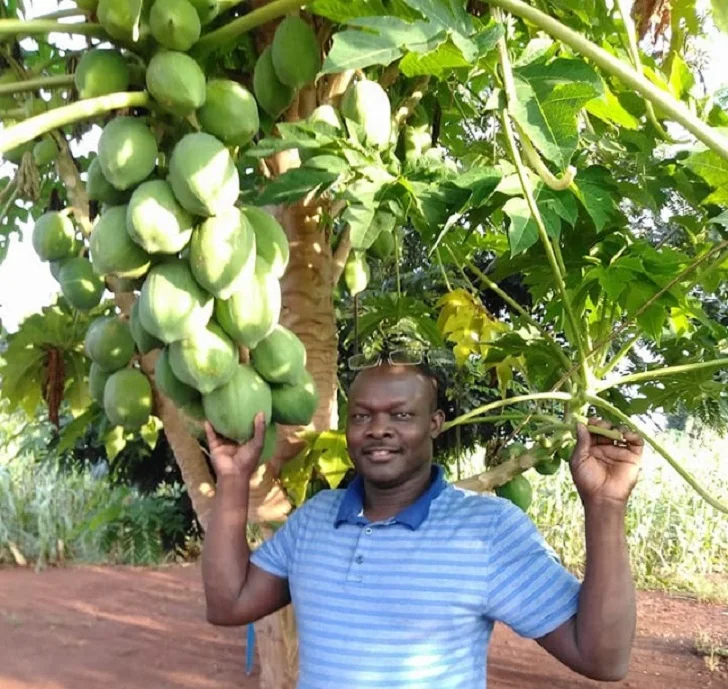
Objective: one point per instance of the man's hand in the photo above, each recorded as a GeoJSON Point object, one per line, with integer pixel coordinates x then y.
{"type": "Point", "coordinates": [231, 460]}
{"type": "Point", "coordinates": [604, 469]}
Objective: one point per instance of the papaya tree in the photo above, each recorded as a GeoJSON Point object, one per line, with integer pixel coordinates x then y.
{"type": "Point", "coordinates": [541, 188]}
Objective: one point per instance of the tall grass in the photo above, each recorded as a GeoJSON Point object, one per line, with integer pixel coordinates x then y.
{"type": "Point", "coordinates": [676, 540]}
{"type": "Point", "coordinates": [48, 515]}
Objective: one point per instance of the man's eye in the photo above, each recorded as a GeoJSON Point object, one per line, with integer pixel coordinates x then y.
{"type": "Point", "coordinates": [359, 417]}
{"type": "Point", "coordinates": [403, 415]}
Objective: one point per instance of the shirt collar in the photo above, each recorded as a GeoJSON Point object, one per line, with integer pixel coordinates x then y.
{"type": "Point", "coordinates": [352, 504]}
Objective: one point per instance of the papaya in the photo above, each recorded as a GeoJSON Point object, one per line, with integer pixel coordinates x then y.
{"type": "Point", "coordinates": [156, 221]}
{"type": "Point", "coordinates": [295, 405]}
{"type": "Point", "coordinates": [416, 141]}
{"type": "Point", "coordinates": [112, 250]}
{"type": "Point", "coordinates": [124, 20]}
{"type": "Point", "coordinates": [128, 398]}
{"type": "Point", "coordinates": [176, 82]}
{"type": "Point", "coordinates": [87, 5]}
{"type": "Point", "coordinates": [207, 10]}
{"type": "Point", "coordinates": [99, 72]}
{"type": "Point", "coordinates": [80, 285]}
{"type": "Point", "coordinates": [8, 102]}
{"type": "Point", "coordinates": [272, 94]}
{"type": "Point", "coordinates": [280, 357]}
{"type": "Point", "coordinates": [182, 395]}
{"type": "Point", "coordinates": [203, 175]}
{"type": "Point", "coordinates": [45, 152]}
{"type": "Point", "coordinates": [206, 360]}
{"type": "Point", "coordinates": [383, 245]}
{"type": "Point", "coordinates": [271, 243]}
{"type": "Point", "coordinates": [144, 341]}
{"type": "Point", "coordinates": [250, 315]}
{"type": "Point", "coordinates": [109, 343]}
{"type": "Point", "coordinates": [54, 236]}
{"type": "Point", "coordinates": [366, 103]}
{"type": "Point", "coordinates": [222, 253]}
{"type": "Point", "coordinates": [175, 24]}
{"type": "Point", "coordinates": [518, 490]}
{"type": "Point", "coordinates": [56, 266]}
{"type": "Point", "coordinates": [548, 467]}
{"type": "Point", "coordinates": [356, 273]}
{"type": "Point", "coordinates": [98, 188]}
{"type": "Point", "coordinates": [97, 378]}
{"type": "Point", "coordinates": [270, 441]}
{"type": "Point", "coordinates": [232, 408]}
{"type": "Point", "coordinates": [325, 114]}
{"type": "Point", "coordinates": [172, 306]}
{"type": "Point", "coordinates": [15, 155]}
{"type": "Point", "coordinates": [127, 152]}
{"type": "Point", "coordinates": [295, 52]}
{"type": "Point", "coordinates": [230, 112]}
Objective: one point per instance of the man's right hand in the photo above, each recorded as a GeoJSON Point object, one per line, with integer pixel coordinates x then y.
{"type": "Point", "coordinates": [231, 460]}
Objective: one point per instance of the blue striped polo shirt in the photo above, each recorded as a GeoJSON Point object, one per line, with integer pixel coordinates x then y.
{"type": "Point", "coordinates": [410, 602]}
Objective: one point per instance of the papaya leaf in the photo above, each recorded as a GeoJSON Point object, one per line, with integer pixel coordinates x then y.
{"type": "Point", "coordinates": [594, 189]}
{"type": "Point", "coordinates": [77, 392]}
{"type": "Point", "coordinates": [296, 475]}
{"type": "Point", "coordinates": [114, 441]}
{"type": "Point", "coordinates": [150, 431]}
{"type": "Point", "coordinates": [353, 49]}
{"type": "Point", "coordinates": [549, 97]}
{"type": "Point", "coordinates": [342, 11]}
{"type": "Point", "coordinates": [76, 429]}
{"type": "Point", "coordinates": [720, 15]}
{"type": "Point", "coordinates": [608, 109]}
{"type": "Point", "coordinates": [714, 170]}
{"type": "Point", "coordinates": [294, 185]}
{"type": "Point", "coordinates": [523, 231]}
{"type": "Point", "coordinates": [438, 63]}
{"type": "Point", "coordinates": [332, 456]}
{"type": "Point", "coordinates": [361, 230]}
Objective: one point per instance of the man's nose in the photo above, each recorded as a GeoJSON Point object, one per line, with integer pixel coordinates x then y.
{"type": "Point", "coordinates": [379, 426]}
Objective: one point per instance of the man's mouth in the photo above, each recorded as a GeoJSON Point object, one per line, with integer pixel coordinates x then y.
{"type": "Point", "coordinates": [381, 454]}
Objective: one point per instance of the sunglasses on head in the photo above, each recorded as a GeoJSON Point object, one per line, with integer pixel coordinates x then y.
{"type": "Point", "coordinates": [400, 357]}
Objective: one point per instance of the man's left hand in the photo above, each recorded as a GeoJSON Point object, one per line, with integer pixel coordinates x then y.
{"type": "Point", "coordinates": [605, 470]}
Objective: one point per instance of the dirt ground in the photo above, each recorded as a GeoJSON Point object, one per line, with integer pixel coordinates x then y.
{"type": "Point", "coordinates": [93, 627]}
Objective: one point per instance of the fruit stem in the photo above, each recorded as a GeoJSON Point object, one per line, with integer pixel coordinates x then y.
{"type": "Point", "coordinates": [663, 373]}
{"type": "Point", "coordinates": [649, 438]}
{"type": "Point", "coordinates": [243, 24]}
{"type": "Point", "coordinates": [81, 110]}
{"type": "Point", "coordinates": [9, 203]}
{"type": "Point", "coordinates": [57, 81]}
{"type": "Point", "coordinates": [618, 68]}
{"type": "Point", "coordinates": [61, 14]}
{"type": "Point", "coordinates": [498, 404]}
{"type": "Point", "coordinates": [10, 28]}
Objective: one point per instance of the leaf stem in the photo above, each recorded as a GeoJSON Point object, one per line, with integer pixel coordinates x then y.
{"type": "Point", "coordinates": [499, 404]}
{"type": "Point", "coordinates": [616, 67]}
{"type": "Point", "coordinates": [81, 110]}
{"type": "Point", "coordinates": [57, 81]}
{"type": "Point", "coordinates": [649, 438]}
{"type": "Point", "coordinates": [9, 203]}
{"type": "Point", "coordinates": [10, 28]}
{"type": "Point", "coordinates": [243, 24]}
{"type": "Point", "coordinates": [665, 372]}
{"type": "Point", "coordinates": [61, 14]}
{"type": "Point", "coordinates": [442, 269]}
{"type": "Point", "coordinates": [623, 351]}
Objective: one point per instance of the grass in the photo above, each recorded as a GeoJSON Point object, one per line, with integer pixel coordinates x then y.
{"type": "Point", "coordinates": [676, 540]}
{"type": "Point", "coordinates": [712, 649]}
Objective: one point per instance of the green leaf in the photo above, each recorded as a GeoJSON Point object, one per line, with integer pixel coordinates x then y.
{"type": "Point", "coordinates": [593, 188]}
{"type": "Point", "coordinates": [342, 11]}
{"type": "Point", "coordinates": [720, 15]}
{"type": "Point", "coordinates": [77, 393]}
{"type": "Point", "coordinates": [361, 230]}
{"type": "Point", "coordinates": [449, 14]}
{"type": "Point", "coordinates": [327, 162]}
{"type": "Point", "coordinates": [608, 109]}
{"type": "Point", "coordinates": [296, 475]}
{"type": "Point", "coordinates": [332, 457]}
{"type": "Point", "coordinates": [294, 185]}
{"type": "Point", "coordinates": [76, 429]}
{"type": "Point", "coordinates": [523, 232]}
{"type": "Point", "coordinates": [681, 78]}
{"type": "Point", "coordinates": [114, 441]}
{"type": "Point", "coordinates": [437, 63]}
{"type": "Point", "coordinates": [487, 38]}
{"type": "Point", "coordinates": [354, 49]}
{"type": "Point", "coordinates": [549, 97]}
{"type": "Point", "coordinates": [150, 431]}
{"type": "Point", "coordinates": [714, 170]}
{"type": "Point", "coordinates": [583, 9]}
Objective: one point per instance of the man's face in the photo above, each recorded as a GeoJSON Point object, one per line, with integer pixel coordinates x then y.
{"type": "Point", "coordinates": [391, 424]}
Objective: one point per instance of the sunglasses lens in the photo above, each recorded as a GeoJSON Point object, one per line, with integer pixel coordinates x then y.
{"type": "Point", "coordinates": [405, 357]}
{"type": "Point", "coordinates": [362, 361]}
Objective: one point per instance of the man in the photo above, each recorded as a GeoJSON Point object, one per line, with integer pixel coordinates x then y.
{"type": "Point", "coordinates": [397, 581]}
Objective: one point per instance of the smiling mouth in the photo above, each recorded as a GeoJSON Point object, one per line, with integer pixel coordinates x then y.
{"type": "Point", "coordinates": [381, 454]}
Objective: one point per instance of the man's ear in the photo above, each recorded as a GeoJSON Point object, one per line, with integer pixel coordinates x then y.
{"type": "Point", "coordinates": [436, 421]}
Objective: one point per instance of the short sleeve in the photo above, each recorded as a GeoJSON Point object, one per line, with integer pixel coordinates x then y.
{"type": "Point", "coordinates": [275, 555]}
{"type": "Point", "coordinates": [528, 587]}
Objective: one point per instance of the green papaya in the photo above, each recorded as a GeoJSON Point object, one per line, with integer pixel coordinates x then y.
{"type": "Point", "coordinates": [250, 315]}
{"type": "Point", "coordinates": [182, 395]}
{"type": "Point", "coordinates": [54, 236]}
{"type": "Point", "coordinates": [271, 243]}
{"type": "Point", "coordinates": [127, 152]}
{"type": "Point", "coordinates": [548, 467]}
{"type": "Point", "coordinates": [56, 266]}
{"type": "Point", "coordinates": [207, 10]}
{"type": "Point", "coordinates": [272, 95]}
{"type": "Point", "coordinates": [176, 82]}
{"type": "Point", "coordinates": [280, 357]}
{"type": "Point", "coordinates": [383, 245]}
{"type": "Point", "coordinates": [295, 52]}
{"type": "Point", "coordinates": [97, 378]}
{"type": "Point", "coordinates": [45, 152]}
{"type": "Point", "coordinates": [124, 20]}
{"type": "Point", "coordinates": [101, 71]}
{"type": "Point", "coordinates": [112, 250]}
{"type": "Point", "coordinates": [80, 285]}
{"type": "Point", "coordinates": [232, 408]}
{"type": "Point", "coordinates": [295, 404]}
{"type": "Point", "coordinates": [356, 273]}
{"type": "Point", "coordinates": [205, 360]}
{"type": "Point", "coordinates": [325, 114]}
{"type": "Point", "coordinates": [98, 188]}
{"type": "Point", "coordinates": [87, 5]}
{"type": "Point", "coordinates": [128, 398]}
{"type": "Point", "coordinates": [175, 24]}
{"type": "Point", "coordinates": [203, 175]}
{"type": "Point", "coordinates": [230, 112]}
{"type": "Point", "coordinates": [222, 253]}
{"type": "Point", "coordinates": [172, 306]}
{"type": "Point", "coordinates": [366, 103]}
{"type": "Point", "coordinates": [269, 443]}
{"type": "Point", "coordinates": [518, 490]}
{"type": "Point", "coordinates": [109, 343]}
{"type": "Point", "coordinates": [156, 221]}
{"type": "Point", "coordinates": [145, 342]}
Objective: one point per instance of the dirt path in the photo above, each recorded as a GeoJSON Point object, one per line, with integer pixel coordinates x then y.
{"type": "Point", "coordinates": [88, 628]}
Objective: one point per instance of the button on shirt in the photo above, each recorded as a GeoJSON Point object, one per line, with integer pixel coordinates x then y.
{"type": "Point", "coordinates": [410, 602]}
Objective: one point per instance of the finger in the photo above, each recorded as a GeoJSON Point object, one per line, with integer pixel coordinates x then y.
{"type": "Point", "coordinates": [583, 440]}
{"type": "Point", "coordinates": [601, 423]}
{"type": "Point", "coordinates": [617, 454]}
{"type": "Point", "coordinates": [633, 438]}
{"type": "Point", "coordinates": [212, 438]}
{"type": "Point", "coordinates": [258, 431]}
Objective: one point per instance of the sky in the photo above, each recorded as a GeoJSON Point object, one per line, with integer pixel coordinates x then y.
{"type": "Point", "coordinates": [26, 284]}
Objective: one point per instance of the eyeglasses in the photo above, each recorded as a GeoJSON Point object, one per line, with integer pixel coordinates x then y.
{"type": "Point", "coordinates": [401, 357]}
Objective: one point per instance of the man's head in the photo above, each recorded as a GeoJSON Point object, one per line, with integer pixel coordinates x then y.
{"type": "Point", "coordinates": [393, 419]}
